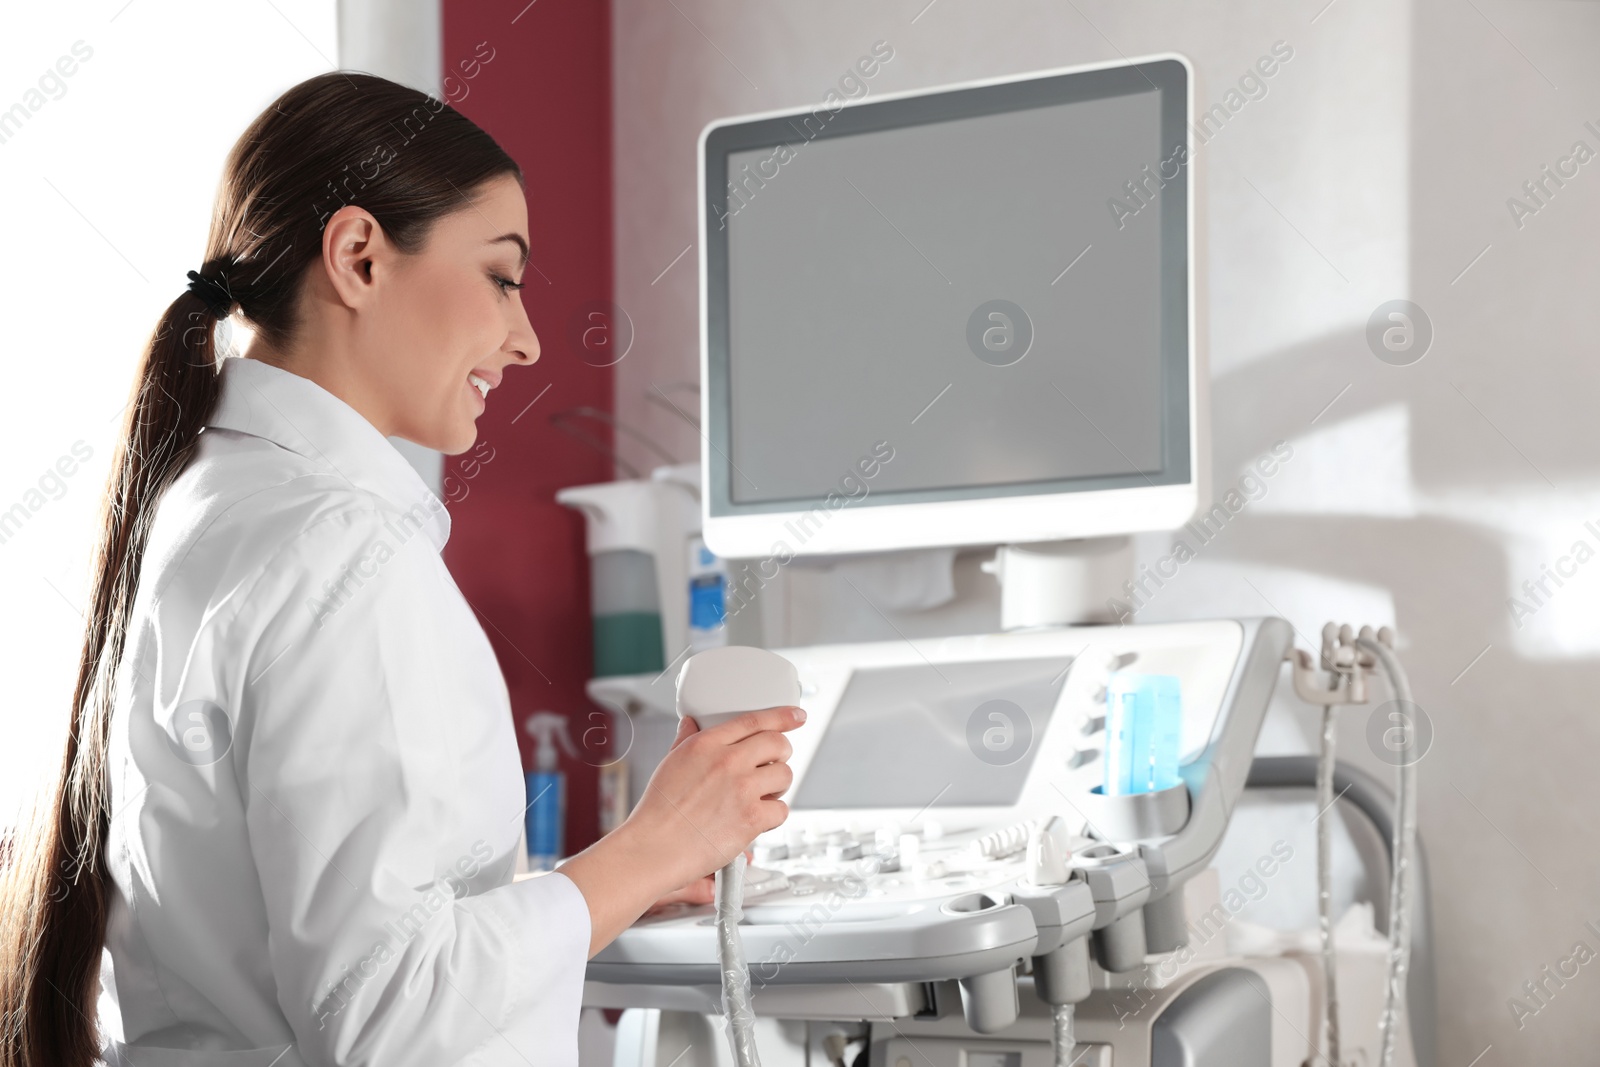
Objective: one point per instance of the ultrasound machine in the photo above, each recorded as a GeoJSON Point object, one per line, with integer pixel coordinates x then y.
{"type": "Point", "coordinates": [995, 285]}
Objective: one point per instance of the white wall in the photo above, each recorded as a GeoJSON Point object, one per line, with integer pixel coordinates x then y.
{"type": "Point", "coordinates": [1505, 463]}
{"type": "Point", "coordinates": [107, 186]}
{"type": "Point", "coordinates": [1376, 168]}
{"type": "Point", "coordinates": [401, 40]}
{"type": "Point", "coordinates": [109, 181]}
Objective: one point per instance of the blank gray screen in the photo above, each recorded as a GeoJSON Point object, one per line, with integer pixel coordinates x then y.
{"type": "Point", "coordinates": [903, 737]}
{"type": "Point", "coordinates": [854, 270]}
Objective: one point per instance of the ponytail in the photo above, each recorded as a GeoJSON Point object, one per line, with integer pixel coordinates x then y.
{"type": "Point", "coordinates": [53, 896]}
{"type": "Point", "coordinates": [266, 234]}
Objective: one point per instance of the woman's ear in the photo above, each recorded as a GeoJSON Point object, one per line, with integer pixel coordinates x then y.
{"type": "Point", "coordinates": [351, 241]}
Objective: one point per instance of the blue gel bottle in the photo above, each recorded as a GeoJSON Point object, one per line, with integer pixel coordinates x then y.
{"type": "Point", "coordinates": [547, 789]}
{"type": "Point", "coordinates": [1144, 719]}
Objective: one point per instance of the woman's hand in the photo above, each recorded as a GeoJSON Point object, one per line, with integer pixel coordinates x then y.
{"type": "Point", "coordinates": [700, 891]}
{"type": "Point", "coordinates": [717, 789]}
{"type": "Point", "coordinates": [712, 794]}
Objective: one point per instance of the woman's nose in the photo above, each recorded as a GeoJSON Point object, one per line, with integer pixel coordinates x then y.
{"type": "Point", "coordinates": [523, 342]}
{"type": "Point", "coordinates": [527, 351]}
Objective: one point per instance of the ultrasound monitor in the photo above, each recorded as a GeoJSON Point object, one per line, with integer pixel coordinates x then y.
{"type": "Point", "coordinates": [962, 316]}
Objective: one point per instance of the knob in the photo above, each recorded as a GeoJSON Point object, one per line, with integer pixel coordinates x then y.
{"type": "Point", "coordinates": [770, 853]}
{"type": "Point", "coordinates": [1048, 854]}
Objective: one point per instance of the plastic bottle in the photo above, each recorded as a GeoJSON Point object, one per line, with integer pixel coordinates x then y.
{"type": "Point", "coordinates": [547, 789]}
{"type": "Point", "coordinates": [1144, 722]}
{"type": "Point", "coordinates": [708, 590]}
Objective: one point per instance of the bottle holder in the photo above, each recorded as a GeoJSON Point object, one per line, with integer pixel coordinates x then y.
{"type": "Point", "coordinates": [1137, 816]}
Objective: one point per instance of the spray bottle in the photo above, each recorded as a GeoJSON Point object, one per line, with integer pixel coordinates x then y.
{"type": "Point", "coordinates": [547, 788]}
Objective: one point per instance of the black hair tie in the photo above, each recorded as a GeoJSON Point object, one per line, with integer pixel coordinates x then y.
{"type": "Point", "coordinates": [213, 294]}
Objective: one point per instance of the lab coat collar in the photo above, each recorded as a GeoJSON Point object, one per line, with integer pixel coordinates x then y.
{"type": "Point", "coordinates": [298, 414]}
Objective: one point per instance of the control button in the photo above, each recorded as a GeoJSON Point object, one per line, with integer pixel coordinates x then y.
{"type": "Point", "coordinates": [1048, 853]}
{"type": "Point", "coordinates": [845, 850]}
{"type": "Point", "coordinates": [910, 847]}
{"type": "Point", "coordinates": [770, 853]}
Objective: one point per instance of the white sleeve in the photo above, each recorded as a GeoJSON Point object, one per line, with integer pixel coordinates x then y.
{"type": "Point", "coordinates": [343, 734]}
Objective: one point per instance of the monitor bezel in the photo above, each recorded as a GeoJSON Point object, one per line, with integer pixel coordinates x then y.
{"type": "Point", "coordinates": [1058, 510]}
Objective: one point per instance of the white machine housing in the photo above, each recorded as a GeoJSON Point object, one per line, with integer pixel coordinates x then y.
{"type": "Point", "coordinates": [968, 918]}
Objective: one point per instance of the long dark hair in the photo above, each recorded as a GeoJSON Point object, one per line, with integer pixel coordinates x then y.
{"type": "Point", "coordinates": [338, 138]}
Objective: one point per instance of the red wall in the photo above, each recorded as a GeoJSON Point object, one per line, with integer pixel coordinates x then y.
{"type": "Point", "coordinates": [545, 95]}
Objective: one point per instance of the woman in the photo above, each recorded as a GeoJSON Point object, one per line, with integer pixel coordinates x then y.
{"type": "Point", "coordinates": [290, 804]}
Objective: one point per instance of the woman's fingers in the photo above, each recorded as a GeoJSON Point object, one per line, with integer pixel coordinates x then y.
{"type": "Point", "coordinates": [687, 728]}
{"type": "Point", "coordinates": [699, 891]}
{"type": "Point", "coordinates": [766, 747]}
{"type": "Point", "coordinates": [773, 814]}
{"type": "Point", "coordinates": [772, 780]}
{"type": "Point", "coordinates": [719, 788]}
{"type": "Point", "coordinates": [752, 722]}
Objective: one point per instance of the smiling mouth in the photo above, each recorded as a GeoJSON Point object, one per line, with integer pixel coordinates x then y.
{"type": "Point", "coordinates": [480, 385]}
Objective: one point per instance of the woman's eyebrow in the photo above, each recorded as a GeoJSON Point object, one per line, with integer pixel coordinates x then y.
{"type": "Point", "coordinates": [521, 242]}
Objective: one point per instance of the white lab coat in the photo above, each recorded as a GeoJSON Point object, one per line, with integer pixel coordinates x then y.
{"type": "Point", "coordinates": [314, 774]}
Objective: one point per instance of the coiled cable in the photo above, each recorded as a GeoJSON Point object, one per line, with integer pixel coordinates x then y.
{"type": "Point", "coordinates": [1064, 1035]}
{"type": "Point", "coordinates": [1325, 801]}
{"type": "Point", "coordinates": [1404, 847]}
{"type": "Point", "coordinates": [736, 1005]}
